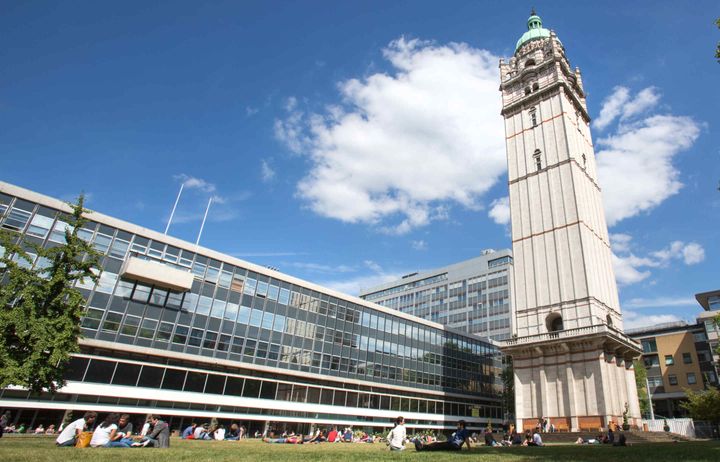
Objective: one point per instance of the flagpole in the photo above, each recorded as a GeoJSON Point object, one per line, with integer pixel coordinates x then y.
{"type": "Point", "coordinates": [202, 225]}
{"type": "Point", "coordinates": [172, 214]}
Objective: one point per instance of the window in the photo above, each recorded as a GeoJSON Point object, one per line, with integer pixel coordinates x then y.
{"type": "Point", "coordinates": [651, 361]}
{"type": "Point", "coordinates": [649, 346]}
{"type": "Point", "coordinates": [40, 226]}
{"type": "Point", "coordinates": [669, 360]}
{"type": "Point", "coordinates": [165, 332]}
{"type": "Point", "coordinates": [691, 379]}
{"type": "Point", "coordinates": [655, 382]}
{"type": "Point", "coordinates": [700, 336]}
{"type": "Point", "coordinates": [181, 333]}
{"type": "Point", "coordinates": [102, 243]}
{"type": "Point", "coordinates": [147, 329]}
{"type": "Point", "coordinates": [584, 159]}
{"type": "Point", "coordinates": [106, 283]}
{"type": "Point", "coordinates": [112, 322]}
{"type": "Point", "coordinates": [672, 379]}
{"type": "Point", "coordinates": [16, 219]}
{"type": "Point", "coordinates": [131, 325]}
{"type": "Point", "coordinates": [195, 337]}
{"type": "Point", "coordinates": [126, 374]}
{"type": "Point", "coordinates": [538, 161]}
{"type": "Point", "coordinates": [210, 340]}
{"type": "Point", "coordinates": [119, 248]}
{"type": "Point", "coordinates": [58, 232]}
{"type": "Point", "coordinates": [91, 319]}
{"type": "Point", "coordinates": [687, 358]}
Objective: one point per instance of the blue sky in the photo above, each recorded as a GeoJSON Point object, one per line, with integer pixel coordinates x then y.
{"type": "Point", "coordinates": [351, 142]}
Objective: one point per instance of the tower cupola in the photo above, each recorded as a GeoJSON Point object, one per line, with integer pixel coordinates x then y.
{"type": "Point", "coordinates": [535, 31]}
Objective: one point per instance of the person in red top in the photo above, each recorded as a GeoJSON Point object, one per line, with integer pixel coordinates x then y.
{"type": "Point", "coordinates": [332, 435]}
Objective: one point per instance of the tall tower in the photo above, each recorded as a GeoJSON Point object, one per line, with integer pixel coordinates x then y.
{"type": "Point", "coordinates": [572, 361]}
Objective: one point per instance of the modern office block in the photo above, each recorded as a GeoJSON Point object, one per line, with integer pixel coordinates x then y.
{"type": "Point", "coordinates": [472, 296]}
{"type": "Point", "coordinates": [193, 334]}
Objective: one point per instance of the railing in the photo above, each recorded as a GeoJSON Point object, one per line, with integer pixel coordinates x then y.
{"type": "Point", "coordinates": [571, 333]}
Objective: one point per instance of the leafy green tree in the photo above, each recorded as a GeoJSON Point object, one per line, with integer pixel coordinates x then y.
{"type": "Point", "coordinates": [703, 405]}
{"type": "Point", "coordinates": [508, 394]}
{"type": "Point", "coordinates": [40, 308]}
{"type": "Point", "coordinates": [641, 384]}
{"type": "Point", "coordinates": [717, 50]}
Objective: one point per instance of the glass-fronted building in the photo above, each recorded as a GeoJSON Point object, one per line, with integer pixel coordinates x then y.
{"type": "Point", "coordinates": [193, 334]}
{"type": "Point", "coordinates": [472, 296]}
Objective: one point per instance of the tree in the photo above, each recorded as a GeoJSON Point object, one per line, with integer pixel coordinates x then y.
{"type": "Point", "coordinates": [40, 308]}
{"type": "Point", "coordinates": [641, 384]}
{"type": "Point", "coordinates": [703, 405]}
{"type": "Point", "coordinates": [508, 394]}
{"type": "Point", "coordinates": [717, 50]}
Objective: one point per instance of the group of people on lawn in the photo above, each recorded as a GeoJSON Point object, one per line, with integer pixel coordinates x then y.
{"type": "Point", "coordinates": [115, 431]}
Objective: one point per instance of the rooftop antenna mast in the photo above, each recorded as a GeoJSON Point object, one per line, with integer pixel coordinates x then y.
{"type": "Point", "coordinates": [202, 225]}
{"type": "Point", "coordinates": [172, 214]}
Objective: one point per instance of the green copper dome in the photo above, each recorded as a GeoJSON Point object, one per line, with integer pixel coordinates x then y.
{"type": "Point", "coordinates": [535, 31]}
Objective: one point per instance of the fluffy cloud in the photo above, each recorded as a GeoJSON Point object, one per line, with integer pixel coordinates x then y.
{"type": "Point", "coordinates": [266, 171]}
{"type": "Point", "coordinates": [374, 275]}
{"type": "Point", "coordinates": [635, 164]}
{"type": "Point", "coordinates": [633, 319]}
{"type": "Point", "coordinates": [620, 104]}
{"type": "Point", "coordinates": [500, 210]}
{"type": "Point", "coordinates": [419, 245]}
{"type": "Point", "coordinates": [192, 182]}
{"type": "Point", "coordinates": [404, 146]}
{"type": "Point", "coordinates": [630, 268]}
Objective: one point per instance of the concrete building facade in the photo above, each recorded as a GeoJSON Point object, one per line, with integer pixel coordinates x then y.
{"type": "Point", "coordinates": [677, 356]}
{"type": "Point", "coordinates": [471, 296]}
{"type": "Point", "coordinates": [572, 361]}
{"type": "Point", "coordinates": [193, 334]}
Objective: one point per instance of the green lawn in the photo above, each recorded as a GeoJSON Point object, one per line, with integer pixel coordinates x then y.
{"type": "Point", "coordinates": [42, 449]}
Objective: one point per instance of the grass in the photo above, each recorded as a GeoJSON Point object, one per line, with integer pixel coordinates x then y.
{"type": "Point", "coordinates": [43, 449]}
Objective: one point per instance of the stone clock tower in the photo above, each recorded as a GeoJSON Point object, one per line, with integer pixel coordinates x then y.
{"type": "Point", "coordinates": [572, 361]}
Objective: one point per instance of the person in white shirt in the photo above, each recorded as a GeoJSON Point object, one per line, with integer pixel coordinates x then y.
{"type": "Point", "coordinates": [396, 437]}
{"type": "Point", "coordinates": [145, 428]}
{"type": "Point", "coordinates": [105, 432]}
{"type": "Point", "coordinates": [536, 440]}
{"type": "Point", "coordinates": [70, 431]}
{"type": "Point", "coordinates": [219, 434]}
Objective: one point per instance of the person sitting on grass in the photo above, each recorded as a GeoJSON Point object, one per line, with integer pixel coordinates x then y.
{"type": "Point", "coordinates": [201, 432]}
{"type": "Point", "coordinates": [40, 430]}
{"type": "Point", "coordinates": [71, 431]}
{"type": "Point", "coordinates": [332, 435]}
{"type": "Point", "coordinates": [396, 437]}
{"type": "Point", "coordinates": [104, 434]}
{"type": "Point", "coordinates": [159, 437]}
{"type": "Point", "coordinates": [189, 432]}
{"type": "Point", "coordinates": [516, 439]}
{"type": "Point", "coordinates": [219, 433]}
{"type": "Point", "coordinates": [233, 433]}
{"type": "Point", "coordinates": [50, 430]}
{"type": "Point", "coordinates": [347, 435]}
{"type": "Point", "coordinates": [506, 440]}
{"type": "Point", "coordinates": [622, 441]}
{"type": "Point", "coordinates": [295, 439]}
{"type": "Point", "coordinates": [536, 440]}
{"type": "Point", "coordinates": [455, 443]}
{"type": "Point", "coordinates": [489, 438]}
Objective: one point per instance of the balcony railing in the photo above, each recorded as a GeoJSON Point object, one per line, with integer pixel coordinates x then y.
{"type": "Point", "coordinates": [573, 333]}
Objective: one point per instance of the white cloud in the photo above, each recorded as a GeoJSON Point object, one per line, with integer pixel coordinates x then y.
{"type": "Point", "coordinates": [633, 319]}
{"type": "Point", "coordinates": [635, 164]}
{"type": "Point", "coordinates": [356, 284]}
{"type": "Point", "coordinates": [660, 302]}
{"type": "Point", "coordinates": [419, 245]}
{"type": "Point", "coordinates": [266, 171]}
{"type": "Point", "coordinates": [321, 268]}
{"type": "Point", "coordinates": [612, 107]}
{"type": "Point", "coordinates": [404, 146]}
{"type": "Point", "coordinates": [620, 242]}
{"type": "Point", "coordinates": [192, 182]}
{"type": "Point", "coordinates": [620, 104]}
{"type": "Point", "coordinates": [500, 210]}
{"type": "Point", "coordinates": [693, 253]}
{"type": "Point", "coordinates": [631, 269]}
{"type": "Point", "coordinates": [251, 111]}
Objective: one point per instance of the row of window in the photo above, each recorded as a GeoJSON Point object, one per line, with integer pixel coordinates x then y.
{"type": "Point", "coordinates": [83, 369]}
{"type": "Point", "coordinates": [653, 360]}
{"type": "Point", "coordinates": [690, 378]}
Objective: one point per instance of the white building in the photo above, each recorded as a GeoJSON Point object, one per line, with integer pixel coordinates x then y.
{"type": "Point", "coordinates": [572, 361]}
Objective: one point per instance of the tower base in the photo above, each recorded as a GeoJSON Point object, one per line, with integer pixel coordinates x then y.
{"type": "Point", "coordinates": [577, 379]}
